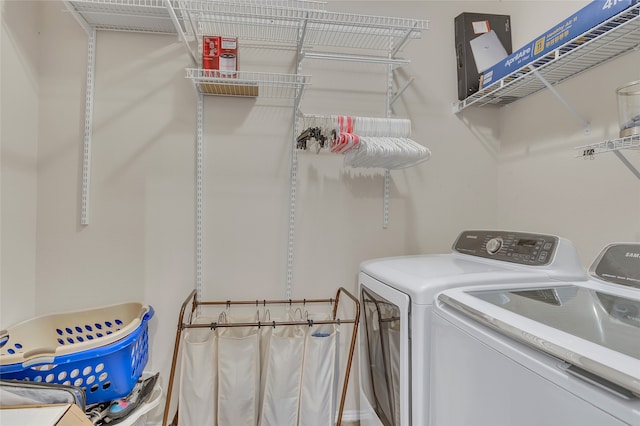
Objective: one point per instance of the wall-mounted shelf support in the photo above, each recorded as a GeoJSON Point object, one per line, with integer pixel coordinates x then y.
{"type": "Point", "coordinates": [303, 35]}
{"type": "Point", "coordinates": [199, 192]}
{"type": "Point", "coordinates": [404, 39]}
{"type": "Point", "coordinates": [293, 170]}
{"type": "Point", "coordinates": [626, 162]}
{"type": "Point", "coordinates": [387, 173]}
{"type": "Point", "coordinates": [85, 195]}
{"type": "Point", "coordinates": [401, 91]}
{"type": "Point", "coordinates": [88, 129]}
{"type": "Point", "coordinates": [586, 126]}
{"type": "Point", "coordinates": [386, 196]}
{"type": "Point", "coordinates": [181, 34]}
{"type": "Point", "coordinates": [83, 23]}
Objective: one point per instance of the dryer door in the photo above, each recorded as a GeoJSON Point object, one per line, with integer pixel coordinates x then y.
{"type": "Point", "coordinates": [385, 350]}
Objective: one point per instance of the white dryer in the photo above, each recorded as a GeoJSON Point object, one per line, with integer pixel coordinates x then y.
{"type": "Point", "coordinates": [539, 353]}
{"type": "Point", "coordinates": [397, 296]}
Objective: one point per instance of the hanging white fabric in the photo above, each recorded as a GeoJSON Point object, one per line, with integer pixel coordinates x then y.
{"type": "Point", "coordinates": [238, 375]}
{"type": "Point", "coordinates": [198, 376]}
{"type": "Point", "coordinates": [281, 377]}
{"type": "Point", "coordinates": [319, 372]}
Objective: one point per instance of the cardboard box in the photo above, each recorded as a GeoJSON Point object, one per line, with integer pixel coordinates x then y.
{"type": "Point", "coordinates": [220, 54]}
{"type": "Point", "coordinates": [44, 415]}
{"type": "Point", "coordinates": [242, 90]}
{"type": "Point", "coordinates": [565, 32]}
{"type": "Point", "coordinates": [482, 40]}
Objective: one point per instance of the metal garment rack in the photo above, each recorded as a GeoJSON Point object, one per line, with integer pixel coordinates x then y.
{"type": "Point", "coordinates": [185, 317]}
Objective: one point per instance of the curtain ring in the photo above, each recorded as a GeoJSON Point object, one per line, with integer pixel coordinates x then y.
{"type": "Point", "coordinates": [213, 325]}
{"type": "Point", "coordinates": [310, 321]}
{"type": "Point", "coordinates": [274, 324]}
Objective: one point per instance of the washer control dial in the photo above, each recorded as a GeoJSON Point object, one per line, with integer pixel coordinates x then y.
{"type": "Point", "coordinates": [494, 245]}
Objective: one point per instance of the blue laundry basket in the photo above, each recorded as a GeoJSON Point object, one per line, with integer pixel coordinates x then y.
{"type": "Point", "coordinates": [102, 351]}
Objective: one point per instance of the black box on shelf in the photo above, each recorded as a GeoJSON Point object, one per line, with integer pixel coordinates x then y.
{"type": "Point", "coordinates": [482, 40]}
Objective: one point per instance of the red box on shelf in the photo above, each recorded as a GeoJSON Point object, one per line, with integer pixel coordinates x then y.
{"type": "Point", "coordinates": [220, 54]}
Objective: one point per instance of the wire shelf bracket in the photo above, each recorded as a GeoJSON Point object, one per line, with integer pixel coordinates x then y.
{"type": "Point", "coordinates": [586, 126]}
{"type": "Point", "coordinates": [178, 27]}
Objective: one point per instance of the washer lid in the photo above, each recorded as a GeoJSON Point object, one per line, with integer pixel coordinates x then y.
{"type": "Point", "coordinates": [591, 325]}
{"type": "Point", "coordinates": [480, 257]}
{"type": "Point", "coordinates": [422, 277]}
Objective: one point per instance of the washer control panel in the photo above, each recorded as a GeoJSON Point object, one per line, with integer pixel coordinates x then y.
{"type": "Point", "coordinates": [515, 247]}
{"type": "Point", "coordinates": [619, 263]}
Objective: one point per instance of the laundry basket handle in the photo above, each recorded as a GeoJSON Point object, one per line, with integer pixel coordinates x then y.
{"type": "Point", "coordinates": [148, 314]}
{"type": "Point", "coordinates": [39, 356]}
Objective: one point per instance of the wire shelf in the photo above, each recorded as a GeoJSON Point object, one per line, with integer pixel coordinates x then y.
{"type": "Point", "coordinates": [274, 21]}
{"type": "Point", "coordinates": [247, 84]}
{"type": "Point", "coordinates": [125, 15]}
{"type": "Point", "coordinates": [628, 142]}
{"type": "Point", "coordinates": [614, 37]}
{"type": "Point", "coordinates": [267, 22]}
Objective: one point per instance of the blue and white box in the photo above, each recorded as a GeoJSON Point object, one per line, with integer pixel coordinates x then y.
{"type": "Point", "coordinates": [588, 17]}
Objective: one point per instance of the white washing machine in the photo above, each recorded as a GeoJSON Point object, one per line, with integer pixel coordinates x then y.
{"type": "Point", "coordinates": [539, 353]}
{"type": "Point", "coordinates": [397, 296]}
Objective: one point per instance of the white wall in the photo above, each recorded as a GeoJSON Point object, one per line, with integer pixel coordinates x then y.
{"type": "Point", "coordinates": [19, 85]}
{"type": "Point", "coordinates": [140, 243]}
